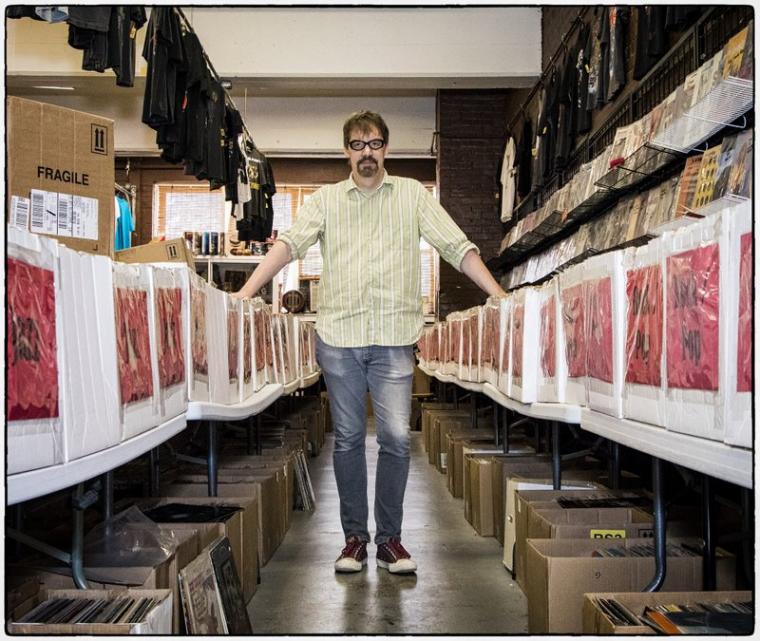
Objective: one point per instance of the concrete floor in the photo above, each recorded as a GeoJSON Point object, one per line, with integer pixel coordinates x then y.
{"type": "Point", "coordinates": [461, 586]}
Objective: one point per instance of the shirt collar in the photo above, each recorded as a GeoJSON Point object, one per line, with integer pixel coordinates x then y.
{"type": "Point", "coordinates": [350, 184]}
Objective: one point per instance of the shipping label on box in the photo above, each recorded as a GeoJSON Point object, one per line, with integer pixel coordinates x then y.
{"type": "Point", "coordinates": [62, 161]}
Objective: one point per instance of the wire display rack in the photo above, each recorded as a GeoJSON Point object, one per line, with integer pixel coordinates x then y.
{"type": "Point", "coordinates": [728, 101]}
{"type": "Point", "coordinates": [642, 163]}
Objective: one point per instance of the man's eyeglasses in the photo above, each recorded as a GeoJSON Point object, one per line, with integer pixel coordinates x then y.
{"type": "Point", "coordinates": [358, 145]}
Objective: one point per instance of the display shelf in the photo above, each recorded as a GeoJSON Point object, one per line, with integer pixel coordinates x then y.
{"type": "Point", "coordinates": [25, 486]}
{"type": "Point", "coordinates": [291, 387]}
{"type": "Point", "coordinates": [308, 381]}
{"type": "Point", "coordinates": [257, 403]}
{"type": "Point", "coordinates": [730, 99]}
{"type": "Point", "coordinates": [641, 164]}
{"type": "Point", "coordinates": [229, 260]}
{"type": "Point", "coordinates": [716, 459]}
{"type": "Point", "coordinates": [544, 411]}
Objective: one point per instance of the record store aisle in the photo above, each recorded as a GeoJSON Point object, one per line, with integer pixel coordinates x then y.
{"type": "Point", "coordinates": [461, 585]}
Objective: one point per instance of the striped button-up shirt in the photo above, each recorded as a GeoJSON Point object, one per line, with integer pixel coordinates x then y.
{"type": "Point", "coordinates": [370, 246]}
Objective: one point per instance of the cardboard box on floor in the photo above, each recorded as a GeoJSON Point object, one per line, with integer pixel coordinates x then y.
{"type": "Point", "coordinates": [420, 382]}
{"type": "Point", "coordinates": [439, 428]}
{"type": "Point", "coordinates": [561, 571]}
{"type": "Point", "coordinates": [240, 529]}
{"type": "Point", "coordinates": [157, 621]}
{"type": "Point", "coordinates": [268, 491]}
{"type": "Point", "coordinates": [596, 622]}
{"type": "Point", "coordinates": [577, 523]}
{"type": "Point", "coordinates": [67, 157]}
{"type": "Point", "coordinates": [161, 576]}
{"type": "Point", "coordinates": [427, 408]}
{"type": "Point", "coordinates": [455, 444]}
{"type": "Point", "coordinates": [570, 482]}
{"type": "Point", "coordinates": [428, 420]}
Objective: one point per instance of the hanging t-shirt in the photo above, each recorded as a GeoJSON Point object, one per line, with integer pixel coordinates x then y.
{"type": "Point", "coordinates": [215, 135]}
{"type": "Point", "coordinates": [619, 17]}
{"type": "Point", "coordinates": [163, 53]}
{"type": "Point", "coordinates": [125, 224]}
{"type": "Point", "coordinates": [651, 38]}
{"type": "Point", "coordinates": [604, 63]}
{"type": "Point", "coordinates": [524, 159]}
{"type": "Point", "coordinates": [126, 21]}
{"type": "Point", "coordinates": [582, 115]}
{"type": "Point", "coordinates": [507, 180]}
{"type": "Point", "coordinates": [595, 61]}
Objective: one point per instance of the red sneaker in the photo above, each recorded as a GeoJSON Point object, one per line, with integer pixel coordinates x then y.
{"type": "Point", "coordinates": [353, 557]}
{"type": "Point", "coordinates": [393, 557]}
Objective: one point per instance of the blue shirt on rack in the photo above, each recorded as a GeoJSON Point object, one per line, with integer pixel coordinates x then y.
{"type": "Point", "coordinates": [125, 225]}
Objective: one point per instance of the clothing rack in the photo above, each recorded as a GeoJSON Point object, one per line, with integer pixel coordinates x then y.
{"type": "Point", "coordinates": [577, 21]}
{"type": "Point", "coordinates": [188, 25]}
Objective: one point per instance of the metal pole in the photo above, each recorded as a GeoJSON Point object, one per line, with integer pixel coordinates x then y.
{"type": "Point", "coordinates": [505, 442]}
{"type": "Point", "coordinates": [153, 471]}
{"type": "Point", "coordinates": [708, 567]}
{"type": "Point", "coordinates": [614, 465]}
{"type": "Point", "coordinates": [212, 459]}
{"type": "Point", "coordinates": [495, 408]}
{"type": "Point", "coordinates": [259, 421]}
{"type": "Point", "coordinates": [18, 523]}
{"type": "Point", "coordinates": [77, 539]}
{"type": "Point", "coordinates": [249, 444]}
{"type": "Point", "coordinates": [537, 437]}
{"type": "Point", "coordinates": [473, 410]}
{"type": "Point", "coordinates": [748, 531]}
{"type": "Point", "coordinates": [556, 457]}
{"type": "Point", "coordinates": [660, 558]}
{"type": "Point", "coordinates": [107, 495]}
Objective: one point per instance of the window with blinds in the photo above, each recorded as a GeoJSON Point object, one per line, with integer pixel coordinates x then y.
{"type": "Point", "coordinates": [178, 208]}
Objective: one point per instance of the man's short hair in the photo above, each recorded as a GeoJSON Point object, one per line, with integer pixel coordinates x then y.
{"type": "Point", "coordinates": [364, 121]}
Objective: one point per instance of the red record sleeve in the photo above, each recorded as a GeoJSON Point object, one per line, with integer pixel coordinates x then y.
{"type": "Point", "coordinates": [31, 348]}
{"type": "Point", "coordinates": [198, 330]}
{"type": "Point", "coordinates": [599, 326]}
{"type": "Point", "coordinates": [247, 347]}
{"type": "Point", "coordinates": [474, 336]}
{"type": "Point", "coordinates": [171, 349]}
{"type": "Point", "coordinates": [518, 318]}
{"type": "Point", "coordinates": [692, 319]}
{"type": "Point", "coordinates": [549, 337]}
{"type": "Point", "coordinates": [744, 346]}
{"type": "Point", "coordinates": [574, 324]}
{"type": "Point", "coordinates": [233, 338]}
{"type": "Point", "coordinates": [259, 338]}
{"type": "Point", "coordinates": [644, 328]}
{"type": "Point", "coordinates": [133, 344]}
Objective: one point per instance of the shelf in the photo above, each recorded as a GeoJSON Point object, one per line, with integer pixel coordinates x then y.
{"type": "Point", "coordinates": [716, 459]}
{"type": "Point", "coordinates": [34, 483]}
{"type": "Point", "coordinates": [646, 161]}
{"type": "Point", "coordinates": [308, 381]}
{"type": "Point", "coordinates": [204, 411]}
{"type": "Point", "coordinates": [730, 99]}
{"type": "Point", "coordinates": [543, 411]}
{"type": "Point", "coordinates": [229, 260]}
{"type": "Point", "coordinates": [291, 387]}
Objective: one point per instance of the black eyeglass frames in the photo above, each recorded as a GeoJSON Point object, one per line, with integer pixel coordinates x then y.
{"type": "Point", "coordinates": [358, 145]}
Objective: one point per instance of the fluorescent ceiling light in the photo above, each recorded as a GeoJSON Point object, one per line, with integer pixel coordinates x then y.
{"type": "Point", "coordinates": [55, 87]}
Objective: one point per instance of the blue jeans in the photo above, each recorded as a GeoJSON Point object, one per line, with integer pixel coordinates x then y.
{"type": "Point", "coordinates": [387, 373]}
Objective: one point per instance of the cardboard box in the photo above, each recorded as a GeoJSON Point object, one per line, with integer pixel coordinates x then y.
{"type": "Point", "coordinates": [519, 482]}
{"type": "Point", "coordinates": [240, 528]}
{"type": "Point", "coordinates": [157, 621]}
{"type": "Point", "coordinates": [440, 426]}
{"type": "Point", "coordinates": [266, 488]}
{"type": "Point", "coordinates": [428, 416]}
{"type": "Point", "coordinates": [577, 523]}
{"type": "Point", "coordinates": [164, 251]}
{"type": "Point", "coordinates": [596, 622]}
{"type": "Point", "coordinates": [426, 408]}
{"type": "Point", "coordinates": [455, 456]}
{"type": "Point", "coordinates": [478, 502]}
{"type": "Point", "coordinates": [561, 571]}
{"type": "Point", "coordinates": [67, 158]}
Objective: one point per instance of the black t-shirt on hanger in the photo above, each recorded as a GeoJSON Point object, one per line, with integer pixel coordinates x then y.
{"type": "Point", "coordinates": [619, 19]}
{"type": "Point", "coordinates": [126, 21]}
{"type": "Point", "coordinates": [163, 52]}
{"type": "Point", "coordinates": [524, 159]}
{"type": "Point", "coordinates": [651, 38]}
{"type": "Point", "coordinates": [215, 138]}
{"type": "Point", "coordinates": [582, 115]}
{"type": "Point", "coordinates": [604, 62]}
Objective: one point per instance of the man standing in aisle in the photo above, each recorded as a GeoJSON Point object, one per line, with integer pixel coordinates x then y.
{"type": "Point", "coordinates": [370, 316]}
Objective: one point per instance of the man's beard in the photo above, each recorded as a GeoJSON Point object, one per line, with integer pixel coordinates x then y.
{"type": "Point", "coordinates": [367, 168]}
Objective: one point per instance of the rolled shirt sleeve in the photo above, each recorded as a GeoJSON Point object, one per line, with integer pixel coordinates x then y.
{"type": "Point", "coordinates": [438, 229]}
{"type": "Point", "coordinates": [309, 225]}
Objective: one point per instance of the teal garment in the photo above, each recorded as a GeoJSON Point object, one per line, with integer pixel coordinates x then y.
{"type": "Point", "coordinates": [125, 225]}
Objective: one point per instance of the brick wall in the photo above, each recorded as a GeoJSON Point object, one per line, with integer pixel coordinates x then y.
{"type": "Point", "coordinates": [472, 128]}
